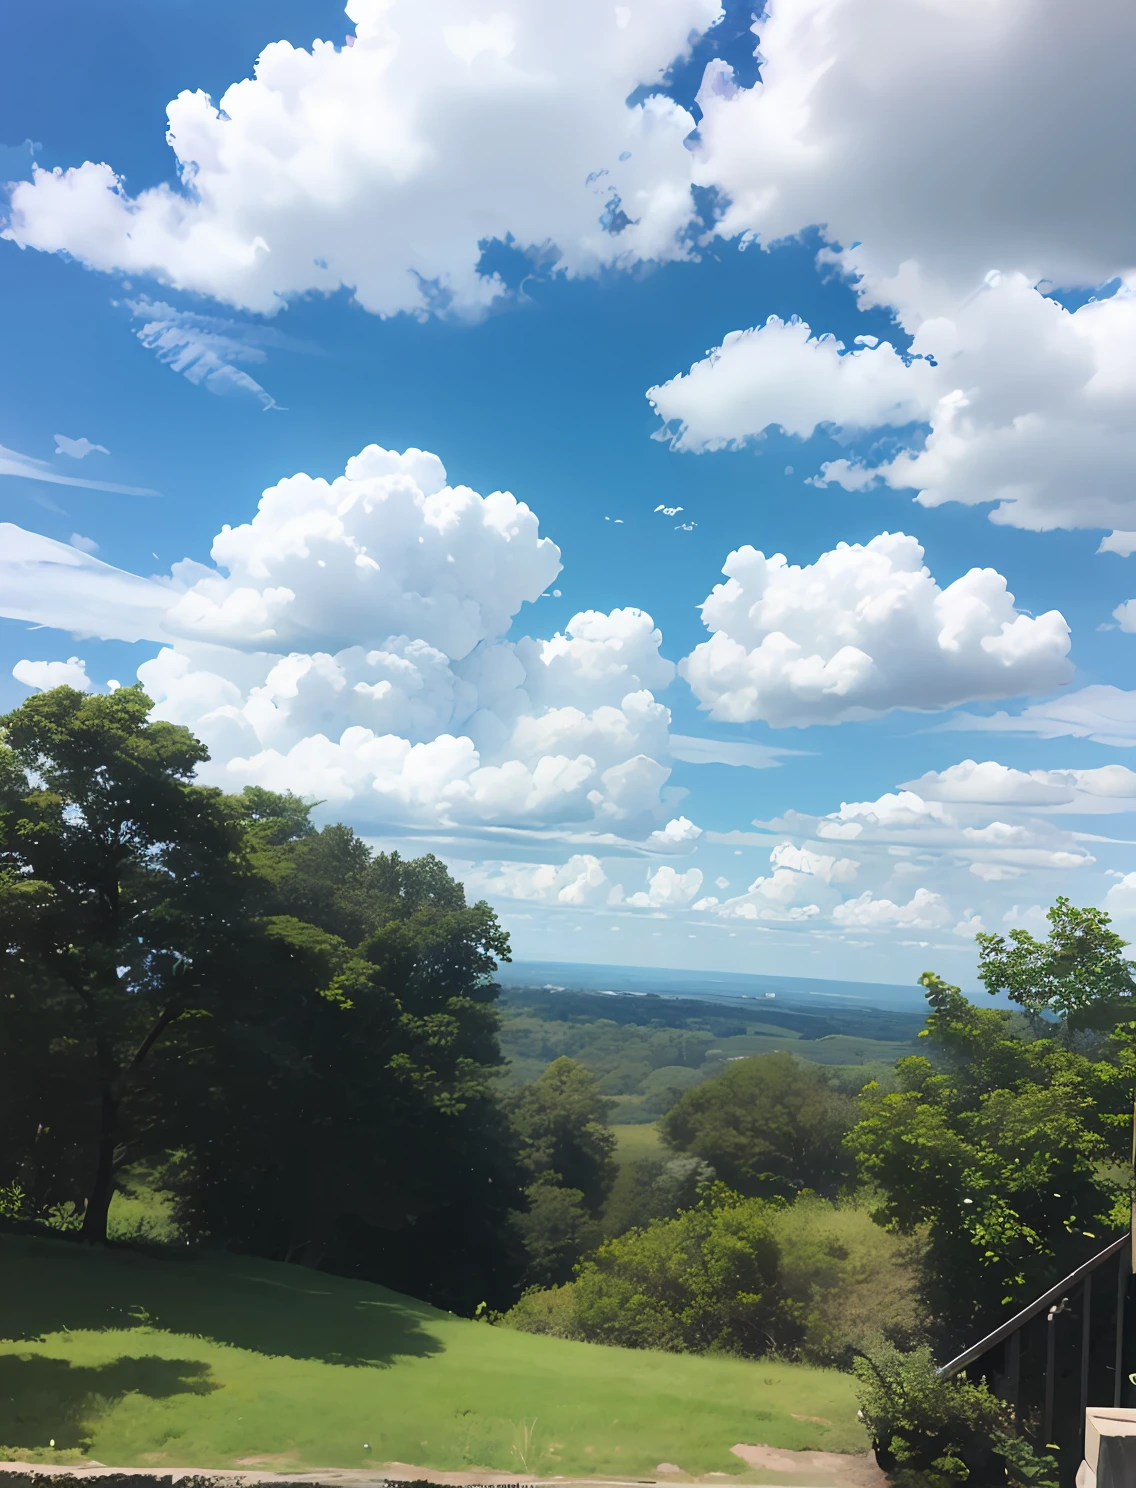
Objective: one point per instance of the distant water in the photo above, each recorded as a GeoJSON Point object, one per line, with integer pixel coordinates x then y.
{"type": "Point", "coordinates": [790, 991]}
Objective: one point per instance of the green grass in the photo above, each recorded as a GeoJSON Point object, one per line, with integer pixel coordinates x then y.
{"type": "Point", "coordinates": [140, 1360]}
{"type": "Point", "coordinates": [635, 1142]}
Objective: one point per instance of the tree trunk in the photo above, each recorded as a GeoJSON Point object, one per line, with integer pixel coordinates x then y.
{"type": "Point", "coordinates": [102, 1189]}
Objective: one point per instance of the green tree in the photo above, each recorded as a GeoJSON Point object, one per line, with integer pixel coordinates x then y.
{"type": "Point", "coordinates": [121, 904]}
{"type": "Point", "coordinates": [1007, 1148]}
{"type": "Point", "coordinates": [561, 1123]}
{"type": "Point", "coordinates": [354, 1119]}
{"type": "Point", "coordinates": [767, 1125]}
{"type": "Point", "coordinates": [1078, 972]}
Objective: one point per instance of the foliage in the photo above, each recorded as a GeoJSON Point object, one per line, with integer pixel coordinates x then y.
{"type": "Point", "coordinates": [844, 1283]}
{"type": "Point", "coordinates": [655, 1188]}
{"type": "Point", "coordinates": [309, 1024]}
{"type": "Point", "coordinates": [121, 906]}
{"type": "Point", "coordinates": [704, 1281]}
{"type": "Point", "coordinates": [767, 1125]}
{"type": "Point", "coordinates": [1007, 1150]}
{"type": "Point", "coordinates": [555, 1230]}
{"type": "Point", "coordinates": [1078, 972]}
{"type": "Point", "coordinates": [549, 1310]}
{"type": "Point", "coordinates": [561, 1122]}
{"type": "Point", "coordinates": [931, 1432]}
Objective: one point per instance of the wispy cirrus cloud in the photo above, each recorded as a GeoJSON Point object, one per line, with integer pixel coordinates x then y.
{"type": "Point", "coordinates": [211, 351]}
{"type": "Point", "coordinates": [14, 463]}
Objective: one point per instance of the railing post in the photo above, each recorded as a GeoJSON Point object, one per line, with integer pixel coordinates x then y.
{"type": "Point", "coordinates": [1123, 1271]}
{"type": "Point", "coordinates": [1050, 1369]}
{"type": "Point", "coordinates": [1014, 1371]}
{"type": "Point", "coordinates": [1086, 1327]}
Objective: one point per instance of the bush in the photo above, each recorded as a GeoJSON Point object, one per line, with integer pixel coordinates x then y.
{"type": "Point", "coordinates": [704, 1281]}
{"type": "Point", "coordinates": [929, 1432]}
{"type": "Point", "coordinates": [551, 1311]}
{"type": "Point", "coordinates": [844, 1282]}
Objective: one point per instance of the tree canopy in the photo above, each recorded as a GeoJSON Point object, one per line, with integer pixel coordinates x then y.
{"type": "Point", "coordinates": [767, 1125]}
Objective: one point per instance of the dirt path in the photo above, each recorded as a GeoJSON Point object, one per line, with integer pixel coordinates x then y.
{"type": "Point", "coordinates": [771, 1467]}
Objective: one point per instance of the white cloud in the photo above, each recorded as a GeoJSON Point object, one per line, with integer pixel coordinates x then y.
{"type": "Point", "coordinates": [84, 544]}
{"type": "Point", "coordinates": [1012, 399]}
{"type": "Point", "coordinates": [578, 882]}
{"type": "Point", "coordinates": [348, 645]}
{"type": "Point", "coordinates": [678, 836]}
{"type": "Point", "coordinates": [78, 449]}
{"type": "Point", "coordinates": [968, 928]}
{"type": "Point", "coordinates": [1103, 713]}
{"type": "Point", "coordinates": [862, 631]}
{"type": "Point", "coordinates": [1120, 902]}
{"type": "Point", "coordinates": [205, 349]}
{"type": "Point", "coordinates": [45, 674]}
{"type": "Point", "coordinates": [384, 166]}
{"type": "Point", "coordinates": [801, 860]}
{"type": "Point", "coordinates": [667, 889]}
{"type": "Point", "coordinates": [737, 752]}
{"type": "Point", "coordinates": [58, 585]}
{"type": "Point", "coordinates": [780, 374]}
{"type": "Point", "coordinates": [924, 911]}
{"type": "Point", "coordinates": [1105, 788]}
{"type": "Point", "coordinates": [1123, 543]}
{"type": "Point", "coordinates": [29, 468]}
{"type": "Point", "coordinates": [958, 135]}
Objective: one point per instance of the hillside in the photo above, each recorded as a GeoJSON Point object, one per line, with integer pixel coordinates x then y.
{"type": "Point", "coordinates": [225, 1361]}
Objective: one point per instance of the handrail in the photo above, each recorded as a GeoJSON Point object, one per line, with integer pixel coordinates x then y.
{"type": "Point", "coordinates": [984, 1345]}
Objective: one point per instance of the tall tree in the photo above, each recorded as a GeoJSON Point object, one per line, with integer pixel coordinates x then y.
{"type": "Point", "coordinates": [1079, 971]}
{"type": "Point", "coordinates": [1008, 1149]}
{"type": "Point", "coordinates": [120, 896]}
{"type": "Point", "coordinates": [770, 1125]}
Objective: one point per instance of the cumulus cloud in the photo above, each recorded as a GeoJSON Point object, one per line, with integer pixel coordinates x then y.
{"type": "Point", "coordinates": [864, 630]}
{"type": "Point", "coordinates": [384, 166]}
{"type": "Point", "coordinates": [578, 882]}
{"type": "Point", "coordinates": [1007, 398]}
{"type": "Point", "coordinates": [45, 674]}
{"type": "Point", "coordinates": [933, 133]}
{"type": "Point", "coordinates": [781, 374]}
{"type": "Point", "coordinates": [348, 644]}
{"type": "Point", "coordinates": [923, 911]}
{"type": "Point", "coordinates": [1103, 713]}
{"type": "Point", "coordinates": [667, 888]}
{"type": "Point", "coordinates": [1105, 788]}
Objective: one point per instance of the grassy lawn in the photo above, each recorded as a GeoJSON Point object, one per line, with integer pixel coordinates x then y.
{"type": "Point", "coordinates": [136, 1360]}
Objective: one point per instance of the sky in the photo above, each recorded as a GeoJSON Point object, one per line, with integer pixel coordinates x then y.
{"type": "Point", "coordinates": [677, 464]}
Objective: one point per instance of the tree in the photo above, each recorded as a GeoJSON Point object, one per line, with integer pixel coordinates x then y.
{"type": "Point", "coordinates": [1006, 1148]}
{"type": "Point", "coordinates": [121, 897]}
{"type": "Point", "coordinates": [767, 1125]}
{"type": "Point", "coordinates": [561, 1122]}
{"type": "Point", "coordinates": [354, 1120]}
{"type": "Point", "coordinates": [1079, 972]}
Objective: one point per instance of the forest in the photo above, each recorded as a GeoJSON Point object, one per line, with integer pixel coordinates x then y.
{"type": "Point", "coordinates": [226, 1029]}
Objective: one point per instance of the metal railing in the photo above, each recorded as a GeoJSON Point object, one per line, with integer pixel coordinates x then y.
{"type": "Point", "coordinates": [1055, 1303]}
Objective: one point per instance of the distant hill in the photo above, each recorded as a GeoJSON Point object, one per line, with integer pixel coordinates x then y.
{"type": "Point", "coordinates": [719, 986]}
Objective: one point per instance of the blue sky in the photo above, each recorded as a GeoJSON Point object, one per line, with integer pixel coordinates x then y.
{"type": "Point", "coordinates": [318, 281]}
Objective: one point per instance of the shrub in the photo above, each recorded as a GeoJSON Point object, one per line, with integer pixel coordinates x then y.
{"type": "Point", "coordinates": [930, 1432]}
{"type": "Point", "coordinates": [844, 1282]}
{"type": "Point", "coordinates": [551, 1311]}
{"type": "Point", "coordinates": [704, 1281]}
